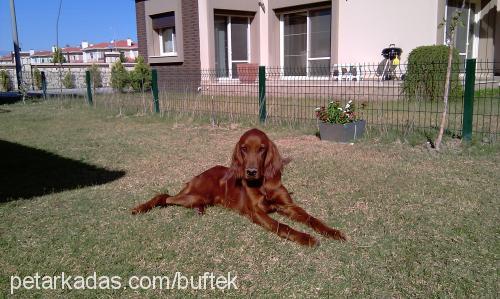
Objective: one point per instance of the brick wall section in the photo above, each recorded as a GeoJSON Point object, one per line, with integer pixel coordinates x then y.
{"type": "Point", "coordinates": [140, 19]}
{"type": "Point", "coordinates": [187, 72]}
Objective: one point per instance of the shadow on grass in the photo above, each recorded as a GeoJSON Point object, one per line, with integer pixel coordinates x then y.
{"type": "Point", "coordinates": [26, 172]}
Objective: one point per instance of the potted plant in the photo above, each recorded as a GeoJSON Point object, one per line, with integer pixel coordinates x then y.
{"type": "Point", "coordinates": [247, 72]}
{"type": "Point", "coordinates": [339, 124]}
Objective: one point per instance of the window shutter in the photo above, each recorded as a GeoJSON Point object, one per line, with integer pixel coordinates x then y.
{"type": "Point", "coordinates": [163, 20]}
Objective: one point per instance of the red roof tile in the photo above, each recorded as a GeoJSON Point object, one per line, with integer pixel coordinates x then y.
{"type": "Point", "coordinates": [42, 53]}
{"type": "Point", "coordinates": [120, 44]}
{"type": "Point", "coordinates": [71, 50]}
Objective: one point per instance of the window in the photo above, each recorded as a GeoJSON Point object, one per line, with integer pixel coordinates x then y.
{"type": "Point", "coordinates": [466, 35]}
{"type": "Point", "coordinates": [167, 41]}
{"type": "Point", "coordinates": [164, 25]}
{"type": "Point", "coordinates": [232, 44]}
{"type": "Point", "coordinates": [305, 43]}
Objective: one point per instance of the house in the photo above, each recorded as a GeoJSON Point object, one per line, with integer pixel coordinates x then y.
{"type": "Point", "coordinates": [87, 53]}
{"type": "Point", "coordinates": [111, 57]}
{"type": "Point", "coordinates": [7, 59]}
{"type": "Point", "coordinates": [43, 56]}
{"type": "Point", "coordinates": [25, 57]}
{"type": "Point", "coordinates": [72, 54]}
{"type": "Point", "coordinates": [109, 51]}
{"type": "Point", "coordinates": [181, 37]}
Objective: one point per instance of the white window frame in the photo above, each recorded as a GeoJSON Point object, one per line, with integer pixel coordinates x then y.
{"type": "Point", "coordinates": [174, 42]}
{"type": "Point", "coordinates": [230, 49]}
{"type": "Point", "coordinates": [475, 46]}
{"type": "Point", "coordinates": [308, 44]}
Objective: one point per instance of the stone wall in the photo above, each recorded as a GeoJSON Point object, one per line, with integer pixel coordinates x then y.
{"type": "Point", "coordinates": [52, 73]}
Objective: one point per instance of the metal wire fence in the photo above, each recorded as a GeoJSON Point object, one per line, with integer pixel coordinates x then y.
{"type": "Point", "coordinates": [400, 97]}
{"type": "Point", "coordinates": [392, 97]}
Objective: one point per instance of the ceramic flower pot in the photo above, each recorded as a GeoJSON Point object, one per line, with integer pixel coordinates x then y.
{"type": "Point", "coordinates": [342, 133]}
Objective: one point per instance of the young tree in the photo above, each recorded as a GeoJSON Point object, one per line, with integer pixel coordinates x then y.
{"type": "Point", "coordinates": [122, 58]}
{"type": "Point", "coordinates": [5, 84]}
{"type": "Point", "coordinates": [140, 77]}
{"type": "Point", "coordinates": [450, 39]}
{"type": "Point", "coordinates": [58, 57]}
{"type": "Point", "coordinates": [68, 80]}
{"type": "Point", "coordinates": [37, 78]}
{"type": "Point", "coordinates": [119, 76]}
{"type": "Point", "coordinates": [95, 77]}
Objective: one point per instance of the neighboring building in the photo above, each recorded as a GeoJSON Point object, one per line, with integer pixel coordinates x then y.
{"type": "Point", "coordinates": [101, 52]}
{"type": "Point", "coordinates": [73, 54]}
{"type": "Point", "coordinates": [41, 56]}
{"type": "Point", "coordinates": [180, 37]}
{"type": "Point", "coordinates": [7, 59]}
{"type": "Point", "coordinates": [108, 51]}
{"type": "Point", "coordinates": [110, 57]}
{"type": "Point", "coordinates": [25, 57]}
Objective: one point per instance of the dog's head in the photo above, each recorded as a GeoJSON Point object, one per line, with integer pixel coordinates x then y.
{"type": "Point", "coordinates": [255, 157]}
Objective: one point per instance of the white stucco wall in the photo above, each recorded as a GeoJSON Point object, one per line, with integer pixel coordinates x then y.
{"type": "Point", "coordinates": [366, 27]}
{"type": "Point", "coordinates": [360, 28]}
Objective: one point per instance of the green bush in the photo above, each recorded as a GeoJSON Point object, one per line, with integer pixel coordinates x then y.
{"type": "Point", "coordinates": [95, 76]}
{"type": "Point", "coordinates": [37, 78]}
{"type": "Point", "coordinates": [426, 74]}
{"type": "Point", "coordinates": [119, 76]}
{"type": "Point", "coordinates": [140, 77]}
{"type": "Point", "coordinates": [5, 83]}
{"type": "Point", "coordinates": [69, 80]}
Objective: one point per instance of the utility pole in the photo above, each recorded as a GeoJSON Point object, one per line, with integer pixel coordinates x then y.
{"type": "Point", "coordinates": [19, 69]}
{"type": "Point", "coordinates": [59, 50]}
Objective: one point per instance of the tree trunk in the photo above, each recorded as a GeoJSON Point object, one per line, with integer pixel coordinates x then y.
{"type": "Point", "coordinates": [437, 143]}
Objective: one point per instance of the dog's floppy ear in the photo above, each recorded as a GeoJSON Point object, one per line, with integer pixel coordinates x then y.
{"type": "Point", "coordinates": [273, 162]}
{"type": "Point", "coordinates": [236, 169]}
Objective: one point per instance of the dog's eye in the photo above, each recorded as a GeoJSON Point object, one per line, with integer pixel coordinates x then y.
{"type": "Point", "coordinates": [244, 149]}
{"type": "Point", "coordinates": [262, 149]}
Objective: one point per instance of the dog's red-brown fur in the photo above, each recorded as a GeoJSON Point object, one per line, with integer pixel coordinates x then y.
{"type": "Point", "coordinates": [251, 186]}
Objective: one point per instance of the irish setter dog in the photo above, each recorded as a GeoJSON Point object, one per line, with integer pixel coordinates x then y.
{"type": "Point", "coordinates": [251, 186]}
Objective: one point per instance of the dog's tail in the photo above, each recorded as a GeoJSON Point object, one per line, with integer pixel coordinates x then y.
{"type": "Point", "coordinates": [159, 200]}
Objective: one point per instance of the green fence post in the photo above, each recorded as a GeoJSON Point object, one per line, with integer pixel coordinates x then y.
{"type": "Point", "coordinates": [470, 79]}
{"type": "Point", "coordinates": [44, 85]}
{"type": "Point", "coordinates": [89, 87]}
{"type": "Point", "coordinates": [154, 85]}
{"type": "Point", "coordinates": [262, 94]}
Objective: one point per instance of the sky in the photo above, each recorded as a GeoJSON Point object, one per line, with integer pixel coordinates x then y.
{"type": "Point", "coordinates": [88, 20]}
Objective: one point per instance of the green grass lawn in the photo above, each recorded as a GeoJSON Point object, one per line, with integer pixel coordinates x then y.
{"type": "Point", "coordinates": [420, 224]}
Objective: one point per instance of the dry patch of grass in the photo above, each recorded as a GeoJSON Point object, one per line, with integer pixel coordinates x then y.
{"type": "Point", "coordinates": [419, 224]}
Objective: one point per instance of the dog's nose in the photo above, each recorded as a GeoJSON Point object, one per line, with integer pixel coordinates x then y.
{"type": "Point", "coordinates": [251, 172]}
